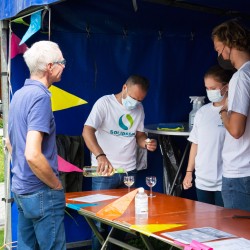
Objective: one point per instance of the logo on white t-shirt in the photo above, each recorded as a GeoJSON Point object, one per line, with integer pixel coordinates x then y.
{"type": "Point", "coordinates": [126, 122]}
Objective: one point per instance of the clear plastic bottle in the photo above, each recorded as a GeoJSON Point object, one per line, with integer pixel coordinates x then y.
{"type": "Point", "coordinates": [198, 101]}
{"type": "Point", "coordinates": [141, 206]}
{"type": "Point", "coordinates": [193, 111]}
{"type": "Point", "coordinates": [91, 172]}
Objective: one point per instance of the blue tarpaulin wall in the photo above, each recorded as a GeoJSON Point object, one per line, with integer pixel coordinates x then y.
{"type": "Point", "coordinates": [106, 41]}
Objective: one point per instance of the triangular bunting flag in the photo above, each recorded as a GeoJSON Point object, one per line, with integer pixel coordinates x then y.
{"type": "Point", "coordinates": [148, 229]}
{"type": "Point", "coordinates": [35, 25]}
{"type": "Point", "coordinates": [63, 100]}
{"type": "Point", "coordinates": [21, 21]}
{"type": "Point", "coordinates": [15, 48]}
{"type": "Point", "coordinates": [65, 166]}
{"type": "Point", "coordinates": [116, 208]}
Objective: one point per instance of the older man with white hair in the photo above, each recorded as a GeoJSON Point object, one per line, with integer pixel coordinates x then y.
{"type": "Point", "coordinates": [36, 186]}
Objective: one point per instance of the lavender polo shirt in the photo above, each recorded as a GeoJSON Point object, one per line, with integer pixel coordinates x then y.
{"type": "Point", "coordinates": [30, 109]}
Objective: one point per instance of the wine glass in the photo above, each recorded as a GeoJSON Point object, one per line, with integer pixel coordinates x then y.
{"type": "Point", "coordinates": [151, 181]}
{"type": "Point", "coordinates": [129, 181]}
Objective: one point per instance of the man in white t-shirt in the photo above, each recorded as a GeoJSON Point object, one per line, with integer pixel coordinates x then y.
{"type": "Point", "coordinates": [232, 42]}
{"type": "Point", "coordinates": [115, 127]}
{"type": "Point", "coordinates": [113, 130]}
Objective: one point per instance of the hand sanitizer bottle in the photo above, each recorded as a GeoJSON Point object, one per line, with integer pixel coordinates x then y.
{"type": "Point", "coordinates": [193, 111]}
{"type": "Point", "coordinates": [198, 101]}
{"type": "Point", "coordinates": [141, 206]}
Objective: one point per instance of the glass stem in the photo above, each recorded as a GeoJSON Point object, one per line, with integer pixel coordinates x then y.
{"type": "Point", "coordinates": [151, 194]}
{"type": "Point", "coordinates": [128, 189]}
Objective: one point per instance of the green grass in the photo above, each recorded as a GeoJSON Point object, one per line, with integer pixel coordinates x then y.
{"type": "Point", "coordinates": [1, 237]}
{"type": "Point", "coordinates": [1, 161]}
{"type": "Point", "coordinates": [1, 175]}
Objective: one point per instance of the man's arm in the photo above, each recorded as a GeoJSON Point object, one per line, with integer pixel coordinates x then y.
{"type": "Point", "coordinates": [88, 134]}
{"type": "Point", "coordinates": [141, 141]}
{"type": "Point", "coordinates": [104, 166]}
{"type": "Point", "coordinates": [235, 123]}
{"type": "Point", "coordinates": [37, 162]}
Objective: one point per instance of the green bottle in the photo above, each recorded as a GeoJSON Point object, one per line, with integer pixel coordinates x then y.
{"type": "Point", "coordinates": [91, 172]}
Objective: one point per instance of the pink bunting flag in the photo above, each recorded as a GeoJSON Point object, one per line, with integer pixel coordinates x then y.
{"type": "Point", "coordinates": [15, 48]}
{"type": "Point", "coordinates": [65, 166]}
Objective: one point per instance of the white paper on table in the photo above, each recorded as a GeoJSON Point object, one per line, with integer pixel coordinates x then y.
{"type": "Point", "coordinates": [94, 198]}
{"type": "Point", "coordinates": [202, 234]}
{"type": "Point", "coordinates": [231, 244]}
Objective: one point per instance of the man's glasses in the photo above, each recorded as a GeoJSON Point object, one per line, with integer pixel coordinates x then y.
{"type": "Point", "coordinates": [63, 62]}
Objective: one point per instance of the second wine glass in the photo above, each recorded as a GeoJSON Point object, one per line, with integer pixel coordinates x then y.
{"type": "Point", "coordinates": [128, 181]}
{"type": "Point", "coordinates": [151, 181]}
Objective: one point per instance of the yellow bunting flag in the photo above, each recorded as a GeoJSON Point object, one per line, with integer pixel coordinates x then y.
{"type": "Point", "coordinates": [148, 229]}
{"type": "Point", "coordinates": [61, 99]}
{"type": "Point", "coordinates": [116, 208]}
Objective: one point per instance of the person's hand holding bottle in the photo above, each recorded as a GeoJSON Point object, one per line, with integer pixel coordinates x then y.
{"type": "Point", "coordinates": [104, 166]}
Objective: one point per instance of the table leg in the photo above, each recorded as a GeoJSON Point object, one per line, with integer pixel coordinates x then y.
{"type": "Point", "coordinates": [179, 168]}
{"type": "Point", "coordinates": [95, 230]}
{"type": "Point", "coordinates": [170, 175]}
{"type": "Point", "coordinates": [116, 242]}
{"type": "Point", "coordinates": [146, 242]}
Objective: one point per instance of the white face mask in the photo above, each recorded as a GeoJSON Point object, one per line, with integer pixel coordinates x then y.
{"type": "Point", "coordinates": [129, 103]}
{"type": "Point", "coordinates": [215, 95]}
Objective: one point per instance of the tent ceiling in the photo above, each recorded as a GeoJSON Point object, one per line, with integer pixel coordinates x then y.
{"type": "Point", "coordinates": [9, 9]}
{"type": "Point", "coordinates": [223, 7]}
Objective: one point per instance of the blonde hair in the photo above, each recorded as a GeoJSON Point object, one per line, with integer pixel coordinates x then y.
{"type": "Point", "coordinates": [233, 34]}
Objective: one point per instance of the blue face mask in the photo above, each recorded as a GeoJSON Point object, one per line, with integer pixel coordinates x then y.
{"type": "Point", "coordinates": [129, 103]}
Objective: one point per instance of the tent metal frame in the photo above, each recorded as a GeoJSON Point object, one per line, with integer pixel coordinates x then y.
{"type": "Point", "coordinates": [5, 74]}
{"type": "Point", "coordinates": [5, 103]}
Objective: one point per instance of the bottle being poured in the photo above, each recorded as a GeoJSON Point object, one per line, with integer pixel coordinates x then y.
{"type": "Point", "coordinates": [91, 171]}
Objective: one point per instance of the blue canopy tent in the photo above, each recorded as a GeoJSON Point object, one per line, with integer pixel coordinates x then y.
{"type": "Point", "coordinates": [104, 42]}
